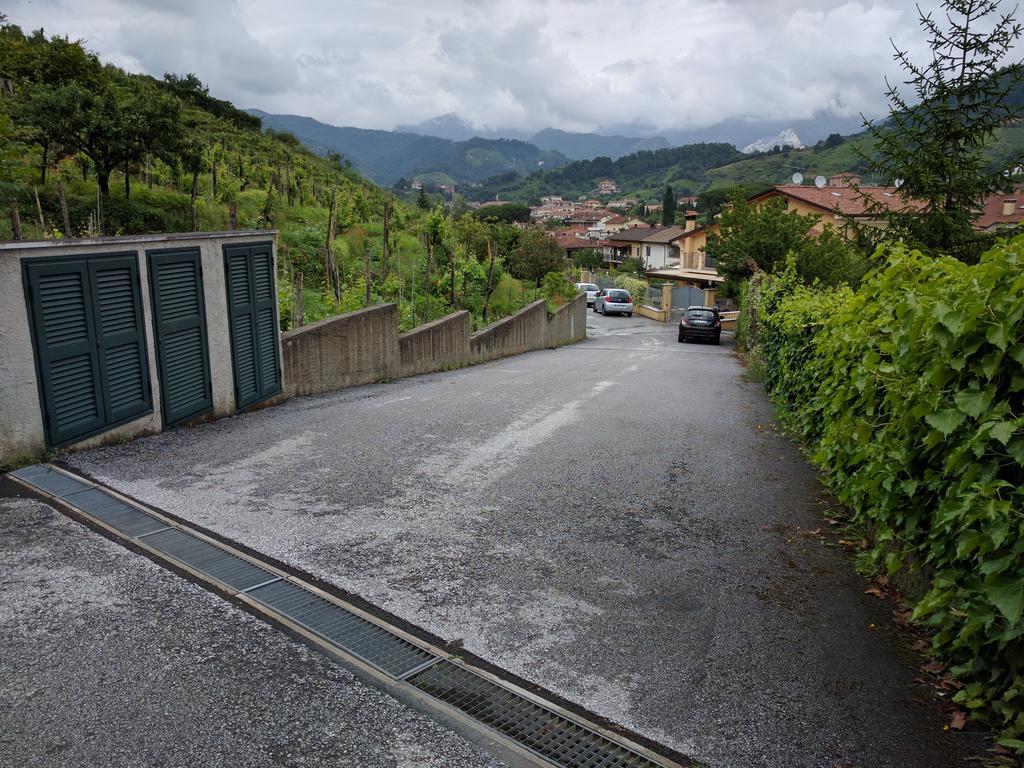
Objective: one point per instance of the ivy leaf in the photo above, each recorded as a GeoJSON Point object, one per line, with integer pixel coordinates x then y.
{"type": "Point", "coordinates": [1016, 449]}
{"type": "Point", "coordinates": [1017, 353]}
{"type": "Point", "coordinates": [945, 420]}
{"type": "Point", "coordinates": [1003, 431]}
{"type": "Point", "coordinates": [1007, 594]}
{"type": "Point", "coordinates": [973, 402]}
{"type": "Point", "coordinates": [998, 335]}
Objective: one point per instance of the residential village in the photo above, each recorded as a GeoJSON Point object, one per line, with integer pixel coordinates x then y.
{"type": "Point", "coordinates": [677, 254]}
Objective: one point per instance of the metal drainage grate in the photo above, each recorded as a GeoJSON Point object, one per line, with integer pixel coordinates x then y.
{"type": "Point", "coordinates": [211, 560]}
{"type": "Point", "coordinates": [363, 639]}
{"type": "Point", "coordinates": [540, 730]}
{"type": "Point", "coordinates": [114, 512]}
{"type": "Point", "coordinates": [55, 483]}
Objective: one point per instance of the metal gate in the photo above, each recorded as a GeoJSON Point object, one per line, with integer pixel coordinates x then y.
{"type": "Point", "coordinates": [252, 316]}
{"type": "Point", "coordinates": [89, 343]}
{"type": "Point", "coordinates": [179, 320]}
{"type": "Point", "coordinates": [684, 296]}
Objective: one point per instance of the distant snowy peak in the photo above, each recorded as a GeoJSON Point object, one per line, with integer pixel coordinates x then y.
{"type": "Point", "coordinates": [787, 137]}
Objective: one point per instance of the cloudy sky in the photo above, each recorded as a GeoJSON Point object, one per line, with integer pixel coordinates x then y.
{"type": "Point", "coordinates": [523, 64]}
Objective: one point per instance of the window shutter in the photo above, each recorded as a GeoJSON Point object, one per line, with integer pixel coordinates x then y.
{"type": "Point", "coordinates": [66, 352]}
{"type": "Point", "coordinates": [241, 318]}
{"type": "Point", "coordinates": [265, 294]}
{"type": "Point", "coordinates": [180, 320]}
{"type": "Point", "coordinates": [120, 338]}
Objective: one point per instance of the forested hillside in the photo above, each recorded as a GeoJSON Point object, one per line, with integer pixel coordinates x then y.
{"type": "Point", "coordinates": [386, 156]}
{"type": "Point", "coordinates": [645, 173]}
{"type": "Point", "coordinates": [87, 150]}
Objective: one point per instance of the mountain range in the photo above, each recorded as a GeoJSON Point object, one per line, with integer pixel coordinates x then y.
{"type": "Point", "coordinates": [449, 150]}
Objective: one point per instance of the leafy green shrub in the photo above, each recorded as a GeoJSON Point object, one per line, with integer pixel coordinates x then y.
{"type": "Point", "coordinates": [910, 392]}
{"type": "Point", "coordinates": [637, 288]}
{"type": "Point", "coordinates": [557, 290]}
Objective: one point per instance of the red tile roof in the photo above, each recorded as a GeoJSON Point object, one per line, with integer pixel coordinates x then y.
{"type": "Point", "coordinates": [992, 216]}
{"type": "Point", "coordinates": [843, 199]}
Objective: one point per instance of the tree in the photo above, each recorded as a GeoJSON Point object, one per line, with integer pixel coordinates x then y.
{"type": "Point", "coordinates": [588, 258]}
{"type": "Point", "coordinates": [754, 238]}
{"type": "Point", "coordinates": [423, 202]}
{"type": "Point", "coordinates": [668, 207]}
{"type": "Point", "coordinates": [535, 255]}
{"type": "Point", "coordinates": [936, 145]}
{"type": "Point", "coordinates": [113, 124]}
{"type": "Point", "coordinates": [506, 212]}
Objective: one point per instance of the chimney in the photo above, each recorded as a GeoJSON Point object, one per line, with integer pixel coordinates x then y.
{"type": "Point", "coordinates": [1008, 205]}
{"type": "Point", "coordinates": [844, 180]}
{"type": "Point", "coordinates": [691, 221]}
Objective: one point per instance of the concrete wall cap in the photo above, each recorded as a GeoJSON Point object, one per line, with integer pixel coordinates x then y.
{"type": "Point", "coordinates": [165, 237]}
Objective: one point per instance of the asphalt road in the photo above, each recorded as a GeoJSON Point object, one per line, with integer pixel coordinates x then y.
{"type": "Point", "coordinates": [617, 521]}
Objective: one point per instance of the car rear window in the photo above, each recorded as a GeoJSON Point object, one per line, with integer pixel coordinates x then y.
{"type": "Point", "coordinates": [700, 314]}
{"type": "Point", "coordinates": [618, 295]}
{"type": "Point", "coordinates": [588, 287]}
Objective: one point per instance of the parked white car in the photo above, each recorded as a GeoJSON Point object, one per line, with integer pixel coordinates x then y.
{"type": "Point", "coordinates": [590, 289]}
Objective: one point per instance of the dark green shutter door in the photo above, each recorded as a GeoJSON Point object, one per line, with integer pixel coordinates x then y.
{"type": "Point", "coordinates": [180, 319]}
{"type": "Point", "coordinates": [265, 295]}
{"type": "Point", "coordinates": [124, 369]}
{"type": "Point", "coordinates": [66, 349]}
{"type": "Point", "coordinates": [243, 332]}
{"type": "Point", "coordinates": [90, 344]}
{"type": "Point", "coordinates": [252, 307]}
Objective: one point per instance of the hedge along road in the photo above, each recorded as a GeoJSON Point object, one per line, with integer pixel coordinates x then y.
{"type": "Point", "coordinates": [616, 521]}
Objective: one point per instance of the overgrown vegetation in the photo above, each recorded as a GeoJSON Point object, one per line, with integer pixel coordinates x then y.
{"type": "Point", "coordinates": [909, 393]}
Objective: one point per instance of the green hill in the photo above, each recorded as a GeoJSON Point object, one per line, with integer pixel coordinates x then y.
{"type": "Point", "coordinates": [643, 173]}
{"type": "Point", "coordinates": [387, 156]}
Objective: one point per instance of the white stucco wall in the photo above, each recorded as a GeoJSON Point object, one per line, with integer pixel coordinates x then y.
{"type": "Point", "coordinates": [21, 421]}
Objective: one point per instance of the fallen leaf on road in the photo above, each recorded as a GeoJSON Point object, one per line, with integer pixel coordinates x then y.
{"type": "Point", "coordinates": [959, 721]}
{"type": "Point", "coordinates": [874, 592]}
{"type": "Point", "coordinates": [934, 666]}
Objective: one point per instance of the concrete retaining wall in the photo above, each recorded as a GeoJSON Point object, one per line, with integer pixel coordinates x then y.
{"type": "Point", "coordinates": [365, 346]}
{"type": "Point", "coordinates": [569, 324]}
{"type": "Point", "coordinates": [526, 330]}
{"type": "Point", "coordinates": [443, 343]}
{"type": "Point", "coordinates": [344, 351]}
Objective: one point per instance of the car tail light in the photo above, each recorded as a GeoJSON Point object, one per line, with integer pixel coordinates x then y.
{"type": "Point", "coordinates": [628, 300]}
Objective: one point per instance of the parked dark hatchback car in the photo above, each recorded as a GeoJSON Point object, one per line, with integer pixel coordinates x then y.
{"type": "Point", "coordinates": [700, 323]}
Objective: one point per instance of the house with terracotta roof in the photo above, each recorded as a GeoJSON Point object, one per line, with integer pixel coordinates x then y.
{"type": "Point", "coordinates": [840, 200]}
{"type": "Point", "coordinates": [695, 266]}
{"type": "Point", "coordinates": [1001, 213]}
{"type": "Point", "coordinates": [619, 223]}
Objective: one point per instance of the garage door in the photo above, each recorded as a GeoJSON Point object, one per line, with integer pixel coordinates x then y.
{"type": "Point", "coordinates": [89, 344]}
{"type": "Point", "coordinates": [179, 318]}
{"type": "Point", "coordinates": [252, 314]}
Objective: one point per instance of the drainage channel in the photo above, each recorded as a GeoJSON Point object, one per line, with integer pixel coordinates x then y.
{"type": "Point", "coordinates": [541, 731]}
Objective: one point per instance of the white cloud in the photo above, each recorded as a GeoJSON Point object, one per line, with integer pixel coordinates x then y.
{"type": "Point", "coordinates": [572, 64]}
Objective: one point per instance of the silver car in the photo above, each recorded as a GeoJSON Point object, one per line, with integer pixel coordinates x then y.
{"type": "Point", "coordinates": [590, 289]}
{"type": "Point", "coordinates": [615, 300]}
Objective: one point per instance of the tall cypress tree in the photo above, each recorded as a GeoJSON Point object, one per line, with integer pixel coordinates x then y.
{"type": "Point", "coordinates": [668, 207]}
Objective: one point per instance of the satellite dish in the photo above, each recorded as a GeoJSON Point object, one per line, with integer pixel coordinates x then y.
{"type": "Point", "coordinates": [820, 181]}
{"type": "Point", "coordinates": [898, 183]}
{"type": "Point", "coordinates": [798, 178]}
